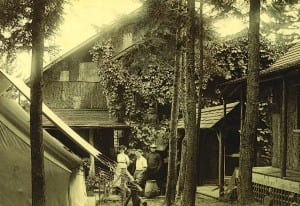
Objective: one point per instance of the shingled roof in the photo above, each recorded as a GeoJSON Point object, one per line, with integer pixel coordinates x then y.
{"type": "Point", "coordinates": [210, 116]}
{"type": "Point", "coordinates": [289, 60]}
{"type": "Point", "coordinates": [85, 118]}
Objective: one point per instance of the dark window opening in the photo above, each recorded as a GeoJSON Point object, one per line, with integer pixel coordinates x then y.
{"type": "Point", "coordinates": [298, 107]}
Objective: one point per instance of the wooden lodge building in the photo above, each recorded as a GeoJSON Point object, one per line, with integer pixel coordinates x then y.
{"type": "Point", "coordinates": [280, 86]}
{"type": "Point", "coordinates": [72, 89]}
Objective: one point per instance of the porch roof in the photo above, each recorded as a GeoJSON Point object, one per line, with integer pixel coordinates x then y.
{"type": "Point", "coordinates": [85, 118]}
{"type": "Point", "coordinates": [210, 116]}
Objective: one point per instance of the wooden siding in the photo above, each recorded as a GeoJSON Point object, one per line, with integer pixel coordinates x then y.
{"type": "Point", "coordinates": [276, 139]}
{"type": "Point", "coordinates": [74, 95]}
{"type": "Point", "coordinates": [293, 138]}
{"type": "Point", "coordinates": [88, 72]}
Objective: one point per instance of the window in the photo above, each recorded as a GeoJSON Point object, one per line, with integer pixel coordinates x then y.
{"type": "Point", "coordinates": [117, 135]}
{"type": "Point", "coordinates": [64, 76]}
{"type": "Point", "coordinates": [88, 72]}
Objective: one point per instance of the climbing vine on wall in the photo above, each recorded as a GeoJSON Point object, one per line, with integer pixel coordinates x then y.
{"type": "Point", "coordinates": [134, 91]}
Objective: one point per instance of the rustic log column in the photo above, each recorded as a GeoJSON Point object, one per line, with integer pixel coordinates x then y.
{"type": "Point", "coordinates": [242, 103]}
{"type": "Point", "coordinates": [283, 129]}
{"type": "Point", "coordinates": [222, 153]}
{"type": "Point", "coordinates": [92, 159]}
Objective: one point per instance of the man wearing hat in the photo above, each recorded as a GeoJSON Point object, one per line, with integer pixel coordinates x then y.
{"type": "Point", "coordinates": [154, 162]}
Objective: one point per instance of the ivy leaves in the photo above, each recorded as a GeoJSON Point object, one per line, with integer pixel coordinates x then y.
{"type": "Point", "coordinates": [131, 87]}
{"type": "Point", "coordinates": [134, 87]}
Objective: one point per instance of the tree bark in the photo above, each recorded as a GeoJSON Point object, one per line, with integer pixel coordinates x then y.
{"type": "Point", "coordinates": [182, 169]}
{"type": "Point", "coordinates": [201, 64]}
{"type": "Point", "coordinates": [181, 176]}
{"type": "Point", "coordinates": [172, 169]}
{"type": "Point", "coordinates": [189, 192]}
{"type": "Point", "coordinates": [248, 135]}
{"type": "Point", "coordinates": [36, 132]}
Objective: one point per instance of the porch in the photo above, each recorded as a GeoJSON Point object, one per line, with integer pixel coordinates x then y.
{"type": "Point", "coordinates": [283, 191]}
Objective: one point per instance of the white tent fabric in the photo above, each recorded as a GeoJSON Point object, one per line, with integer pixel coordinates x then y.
{"type": "Point", "coordinates": [25, 90]}
{"type": "Point", "coordinates": [64, 181]}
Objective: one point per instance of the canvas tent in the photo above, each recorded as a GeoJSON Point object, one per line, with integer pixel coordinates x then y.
{"type": "Point", "coordinates": [7, 81]}
{"type": "Point", "coordinates": [64, 179]}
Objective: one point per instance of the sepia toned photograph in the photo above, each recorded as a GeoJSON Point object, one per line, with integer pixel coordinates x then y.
{"type": "Point", "coordinates": [150, 102]}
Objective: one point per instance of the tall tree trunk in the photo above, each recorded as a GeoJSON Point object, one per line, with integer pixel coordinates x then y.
{"type": "Point", "coordinates": [36, 134]}
{"type": "Point", "coordinates": [189, 192]}
{"type": "Point", "coordinates": [245, 194]}
{"type": "Point", "coordinates": [201, 60]}
{"type": "Point", "coordinates": [172, 167]}
{"type": "Point", "coordinates": [182, 169]}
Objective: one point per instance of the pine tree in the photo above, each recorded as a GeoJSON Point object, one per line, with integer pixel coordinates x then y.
{"type": "Point", "coordinates": [189, 192]}
{"type": "Point", "coordinates": [36, 133]}
{"type": "Point", "coordinates": [249, 129]}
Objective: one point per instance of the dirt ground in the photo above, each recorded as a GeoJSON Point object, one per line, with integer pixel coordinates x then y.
{"type": "Point", "coordinates": [201, 200]}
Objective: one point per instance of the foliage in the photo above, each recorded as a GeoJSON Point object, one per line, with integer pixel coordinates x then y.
{"type": "Point", "coordinates": [283, 25]}
{"type": "Point", "coordinates": [16, 23]}
{"type": "Point", "coordinates": [141, 80]}
{"type": "Point", "coordinates": [91, 182]}
{"type": "Point", "coordinates": [144, 134]}
{"type": "Point", "coordinates": [133, 93]}
{"type": "Point", "coordinates": [264, 137]}
{"type": "Point", "coordinates": [112, 77]}
{"type": "Point", "coordinates": [232, 55]}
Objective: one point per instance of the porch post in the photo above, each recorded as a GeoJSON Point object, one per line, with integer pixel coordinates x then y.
{"type": "Point", "coordinates": [92, 159]}
{"type": "Point", "coordinates": [283, 129]}
{"type": "Point", "coordinates": [242, 103]}
{"type": "Point", "coordinates": [222, 153]}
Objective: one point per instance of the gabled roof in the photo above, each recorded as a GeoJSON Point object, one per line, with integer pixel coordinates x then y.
{"type": "Point", "coordinates": [210, 116]}
{"type": "Point", "coordinates": [88, 43]}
